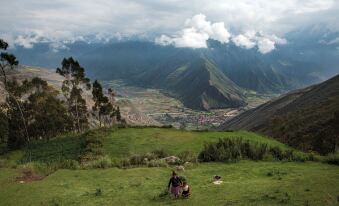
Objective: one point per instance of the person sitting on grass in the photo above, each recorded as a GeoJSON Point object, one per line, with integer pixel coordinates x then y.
{"type": "Point", "coordinates": [186, 190]}
{"type": "Point", "coordinates": [175, 184]}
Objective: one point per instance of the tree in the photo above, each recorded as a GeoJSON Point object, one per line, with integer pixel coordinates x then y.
{"type": "Point", "coordinates": [103, 105]}
{"type": "Point", "coordinates": [47, 114]}
{"type": "Point", "coordinates": [3, 128]}
{"type": "Point", "coordinates": [72, 88]}
{"type": "Point", "coordinates": [8, 62]}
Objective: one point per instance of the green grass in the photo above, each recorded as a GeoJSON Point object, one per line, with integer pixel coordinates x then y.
{"type": "Point", "coordinates": [125, 142]}
{"type": "Point", "coordinates": [245, 183]}
{"type": "Point", "coordinates": [57, 149]}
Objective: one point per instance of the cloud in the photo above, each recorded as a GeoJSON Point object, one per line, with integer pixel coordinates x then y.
{"type": "Point", "coordinates": [65, 20]}
{"type": "Point", "coordinates": [27, 41]}
{"type": "Point", "coordinates": [198, 30]}
{"type": "Point", "coordinates": [265, 43]}
{"type": "Point", "coordinates": [196, 33]}
{"type": "Point", "coordinates": [243, 41]}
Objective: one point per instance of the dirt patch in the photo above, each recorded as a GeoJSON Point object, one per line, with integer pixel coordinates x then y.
{"type": "Point", "coordinates": [28, 176]}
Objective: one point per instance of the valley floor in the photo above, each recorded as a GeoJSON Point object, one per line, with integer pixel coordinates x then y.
{"type": "Point", "coordinates": [142, 106]}
{"type": "Point", "coordinates": [244, 183]}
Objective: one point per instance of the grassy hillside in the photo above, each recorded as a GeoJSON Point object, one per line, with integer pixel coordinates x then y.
{"type": "Point", "coordinates": [246, 182]}
{"type": "Point", "coordinates": [306, 119]}
{"type": "Point", "coordinates": [125, 142]}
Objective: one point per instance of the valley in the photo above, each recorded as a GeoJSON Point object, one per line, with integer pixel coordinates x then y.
{"type": "Point", "coordinates": [144, 106]}
{"type": "Point", "coordinates": [171, 102]}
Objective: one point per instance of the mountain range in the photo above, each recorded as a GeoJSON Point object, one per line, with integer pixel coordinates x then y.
{"type": "Point", "coordinates": [213, 77]}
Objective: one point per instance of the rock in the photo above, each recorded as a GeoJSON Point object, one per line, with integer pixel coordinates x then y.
{"type": "Point", "coordinates": [171, 159]}
{"type": "Point", "coordinates": [188, 164]}
{"type": "Point", "coordinates": [180, 168]}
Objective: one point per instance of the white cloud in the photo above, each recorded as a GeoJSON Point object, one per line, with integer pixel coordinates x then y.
{"type": "Point", "coordinates": [197, 33]}
{"type": "Point", "coordinates": [243, 41]}
{"type": "Point", "coordinates": [64, 20]}
{"type": "Point", "coordinates": [198, 30]}
{"type": "Point", "coordinates": [265, 45]}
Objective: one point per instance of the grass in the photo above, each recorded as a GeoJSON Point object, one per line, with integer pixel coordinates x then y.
{"type": "Point", "coordinates": [57, 149]}
{"type": "Point", "coordinates": [126, 142]}
{"type": "Point", "coordinates": [245, 183]}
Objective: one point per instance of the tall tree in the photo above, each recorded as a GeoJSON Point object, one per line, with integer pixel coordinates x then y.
{"type": "Point", "coordinates": [103, 106]}
{"type": "Point", "coordinates": [47, 114]}
{"type": "Point", "coordinates": [8, 62]}
{"type": "Point", "coordinates": [72, 87]}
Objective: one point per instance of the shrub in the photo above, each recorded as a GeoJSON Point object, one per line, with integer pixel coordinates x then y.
{"type": "Point", "coordinates": [102, 163]}
{"type": "Point", "coordinates": [332, 159]}
{"type": "Point", "coordinates": [39, 168]}
{"type": "Point", "coordinates": [156, 163]}
{"type": "Point", "coordinates": [138, 159]}
{"type": "Point", "coordinates": [276, 153]}
{"type": "Point", "coordinates": [299, 157]}
{"type": "Point", "coordinates": [187, 156]}
{"type": "Point", "coordinates": [230, 150]}
{"type": "Point", "coordinates": [161, 153]}
{"type": "Point", "coordinates": [92, 147]}
{"type": "Point", "coordinates": [69, 164]}
{"type": "Point", "coordinates": [124, 163]}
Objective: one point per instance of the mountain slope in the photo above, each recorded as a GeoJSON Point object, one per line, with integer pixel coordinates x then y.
{"type": "Point", "coordinates": [134, 60]}
{"type": "Point", "coordinates": [200, 85]}
{"type": "Point", "coordinates": [307, 119]}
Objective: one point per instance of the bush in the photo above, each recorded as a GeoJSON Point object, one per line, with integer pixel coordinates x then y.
{"type": "Point", "coordinates": [156, 163]}
{"type": "Point", "coordinates": [332, 159]}
{"type": "Point", "coordinates": [276, 153]}
{"type": "Point", "coordinates": [39, 168]}
{"type": "Point", "coordinates": [187, 156]}
{"type": "Point", "coordinates": [102, 163]}
{"type": "Point", "coordinates": [124, 163]}
{"type": "Point", "coordinates": [69, 164]}
{"type": "Point", "coordinates": [138, 159]}
{"type": "Point", "coordinates": [161, 153]}
{"type": "Point", "coordinates": [300, 157]}
{"type": "Point", "coordinates": [92, 147]}
{"type": "Point", "coordinates": [231, 150]}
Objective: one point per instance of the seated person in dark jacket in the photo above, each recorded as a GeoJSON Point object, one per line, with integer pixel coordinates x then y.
{"type": "Point", "coordinates": [186, 190]}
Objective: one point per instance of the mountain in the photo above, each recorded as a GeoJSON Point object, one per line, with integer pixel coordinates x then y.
{"type": "Point", "coordinates": [132, 60]}
{"type": "Point", "coordinates": [307, 119]}
{"type": "Point", "coordinates": [308, 57]}
{"type": "Point", "coordinates": [201, 85]}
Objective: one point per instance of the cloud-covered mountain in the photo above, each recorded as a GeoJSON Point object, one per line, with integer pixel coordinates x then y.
{"type": "Point", "coordinates": [309, 56]}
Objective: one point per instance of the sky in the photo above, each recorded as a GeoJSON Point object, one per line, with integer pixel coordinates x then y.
{"type": "Point", "coordinates": [182, 23]}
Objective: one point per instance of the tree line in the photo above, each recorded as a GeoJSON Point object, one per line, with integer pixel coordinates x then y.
{"type": "Point", "coordinates": [34, 110]}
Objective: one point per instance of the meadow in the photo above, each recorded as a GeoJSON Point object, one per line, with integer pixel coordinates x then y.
{"type": "Point", "coordinates": [245, 182]}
